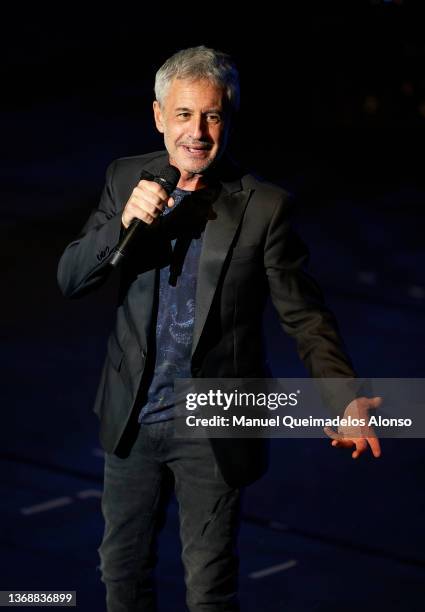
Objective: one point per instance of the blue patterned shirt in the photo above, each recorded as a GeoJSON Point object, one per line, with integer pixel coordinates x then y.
{"type": "Point", "coordinates": [175, 319]}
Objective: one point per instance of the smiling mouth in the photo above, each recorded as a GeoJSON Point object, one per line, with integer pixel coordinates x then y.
{"type": "Point", "coordinates": [197, 151]}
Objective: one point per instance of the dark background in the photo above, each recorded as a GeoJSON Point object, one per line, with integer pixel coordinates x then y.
{"type": "Point", "coordinates": [333, 108]}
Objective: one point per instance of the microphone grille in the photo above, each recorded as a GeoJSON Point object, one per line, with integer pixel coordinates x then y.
{"type": "Point", "coordinates": [169, 177]}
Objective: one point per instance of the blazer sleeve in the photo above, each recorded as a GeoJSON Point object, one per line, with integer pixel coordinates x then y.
{"type": "Point", "coordinates": [84, 263]}
{"type": "Point", "coordinates": [299, 301]}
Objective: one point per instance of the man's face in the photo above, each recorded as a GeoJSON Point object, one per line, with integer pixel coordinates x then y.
{"type": "Point", "coordinates": [194, 122]}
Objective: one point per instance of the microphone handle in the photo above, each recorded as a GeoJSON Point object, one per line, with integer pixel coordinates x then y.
{"type": "Point", "coordinates": [120, 250]}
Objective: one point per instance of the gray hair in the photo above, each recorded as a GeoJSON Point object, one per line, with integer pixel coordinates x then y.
{"type": "Point", "coordinates": [200, 63]}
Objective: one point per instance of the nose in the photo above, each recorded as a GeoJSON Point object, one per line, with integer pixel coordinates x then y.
{"type": "Point", "coordinates": [197, 128]}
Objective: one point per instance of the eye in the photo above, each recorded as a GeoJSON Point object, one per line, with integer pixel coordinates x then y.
{"type": "Point", "coordinates": [213, 118]}
{"type": "Point", "coordinates": [183, 115]}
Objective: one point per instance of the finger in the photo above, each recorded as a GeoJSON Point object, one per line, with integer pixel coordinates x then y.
{"type": "Point", "coordinates": [152, 209]}
{"type": "Point", "coordinates": [146, 207]}
{"type": "Point", "coordinates": [332, 433]}
{"type": "Point", "coordinates": [375, 402]}
{"type": "Point", "coordinates": [170, 202]}
{"type": "Point", "coordinates": [343, 443]}
{"type": "Point", "coordinates": [133, 211]}
{"type": "Point", "coordinates": [141, 197]}
{"type": "Point", "coordinates": [361, 446]}
{"type": "Point", "coordinates": [375, 446]}
{"type": "Point", "coordinates": [144, 216]}
{"type": "Point", "coordinates": [153, 187]}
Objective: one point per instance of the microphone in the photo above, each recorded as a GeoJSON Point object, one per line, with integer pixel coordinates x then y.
{"type": "Point", "coordinates": [168, 178]}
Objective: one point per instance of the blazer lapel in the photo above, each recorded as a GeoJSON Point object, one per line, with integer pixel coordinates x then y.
{"type": "Point", "coordinates": [219, 233]}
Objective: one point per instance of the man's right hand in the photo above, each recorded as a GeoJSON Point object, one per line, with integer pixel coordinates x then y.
{"type": "Point", "coordinates": [147, 201]}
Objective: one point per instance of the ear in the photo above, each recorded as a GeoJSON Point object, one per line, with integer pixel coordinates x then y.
{"type": "Point", "coordinates": [157, 113]}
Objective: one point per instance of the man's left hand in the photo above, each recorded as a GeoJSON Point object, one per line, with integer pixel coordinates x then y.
{"type": "Point", "coordinates": [360, 436]}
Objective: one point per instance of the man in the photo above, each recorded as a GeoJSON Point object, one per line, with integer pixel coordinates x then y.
{"type": "Point", "coordinates": [191, 301]}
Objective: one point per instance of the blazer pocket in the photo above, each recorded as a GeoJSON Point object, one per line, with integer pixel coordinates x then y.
{"type": "Point", "coordinates": [245, 252]}
{"type": "Point", "coordinates": [115, 352]}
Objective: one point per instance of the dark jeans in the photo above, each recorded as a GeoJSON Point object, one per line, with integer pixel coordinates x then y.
{"type": "Point", "coordinates": [132, 504]}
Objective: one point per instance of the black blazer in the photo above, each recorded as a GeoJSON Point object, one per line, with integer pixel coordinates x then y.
{"type": "Point", "coordinates": [249, 251]}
